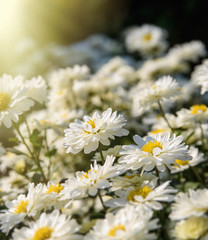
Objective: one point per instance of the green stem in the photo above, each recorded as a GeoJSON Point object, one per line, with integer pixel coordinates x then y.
{"type": "Point", "coordinates": [158, 175]}
{"type": "Point", "coordinates": [163, 115]}
{"type": "Point", "coordinates": [101, 200]}
{"type": "Point", "coordinates": [36, 161]}
{"type": "Point", "coordinates": [202, 133]}
{"type": "Point", "coordinates": [101, 154]}
{"type": "Point", "coordinates": [197, 175]}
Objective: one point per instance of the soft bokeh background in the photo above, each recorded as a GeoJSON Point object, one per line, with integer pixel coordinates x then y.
{"type": "Point", "coordinates": [31, 25]}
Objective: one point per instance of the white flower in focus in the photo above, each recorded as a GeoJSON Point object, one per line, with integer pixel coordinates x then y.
{"type": "Point", "coordinates": [51, 226]}
{"type": "Point", "coordinates": [197, 158]}
{"type": "Point", "coordinates": [160, 152]}
{"type": "Point", "coordinates": [148, 40]}
{"type": "Point", "coordinates": [146, 194]}
{"type": "Point", "coordinates": [126, 224]}
{"type": "Point", "coordinates": [89, 182]}
{"type": "Point", "coordinates": [193, 203]}
{"type": "Point", "coordinates": [193, 228]}
{"type": "Point", "coordinates": [93, 130]}
{"type": "Point", "coordinates": [13, 99]}
{"type": "Point", "coordinates": [29, 205]}
{"type": "Point", "coordinates": [164, 89]}
{"type": "Point", "coordinates": [200, 76]}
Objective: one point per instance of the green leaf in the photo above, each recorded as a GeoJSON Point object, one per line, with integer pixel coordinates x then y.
{"type": "Point", "coordinates": [51, 153]}
{"type": "Point", "coordinates": [36, 139]}
{"type": "Point", "coordinates": [14, 139]}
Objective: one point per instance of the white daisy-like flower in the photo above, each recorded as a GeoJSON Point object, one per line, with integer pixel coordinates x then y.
{"type": "Point", "coordinates": [193, 228]}
{"type": "Point", "coordinates": [193, 203]}
{"type": "Point", "coordinates": [190, 51]}
{"type": "Point", "coordinates": [126, 224]}
{"type": "Point", "coordinates": [160, 152]}
{"type": "Point", "coordinates": [200, 76]}
{"type": "Point", "coordinates": [197, 158]}
{"type": "Point", "coordinates": [96, 178]}
{"type": "Point", "coordinates": [29, 205]}
{"type": "Point", "coordinates": [52, 196]}
{"type": "Point", "coordinates": [148, 40]}
{"type": "Point", "coordinates": [51, 227]}
{"type": "Point", "coordinates": [93, 130]}
{"type": "Point", "coordinates": [13, 99]}
{"type": "Point", "coordinates": [164, 89]}
{"type": "Point", "coordinates": [146, 194]}
{"type": "Point", "coordinates": [190, 117]}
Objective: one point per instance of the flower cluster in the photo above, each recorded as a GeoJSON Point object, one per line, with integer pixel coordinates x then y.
{"type": "Point", "coordinates": [107, 147]}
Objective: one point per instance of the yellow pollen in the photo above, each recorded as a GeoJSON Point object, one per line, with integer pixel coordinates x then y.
{"type": "Point", "coordinates": [112, 231]}
{"type": "Point", "coordinates": [92, 123]}
{"type": "Point", "coordinates": [139, 192]}
{"type": "Point", "coordinates": [147, 37]}
{"type": "Point", "coordinates": [60, 92]}
{"type": "Point", "coordinates": [181, 162]}
{"type": "Point", "coordinates": [55, 188]}
{"type": "Point", "coordinates": [149, 146]}
{"type": "Point", "coordinates": [43, 233]}
{"type": "Point", "coordinates": [64, 115]}
{"type": "Point", "coordinates": [86, 174]}
{"type": "Point", "coordinates": [157, 131]}
{"type": "Point", "coordinates": [5, 100]}
{"type": "Point", "coordinates": [154, 87]}
{"type": "Point", "coordinates": [21, 207]}
{"type": "Point", "coordinates": [43, 121]}
{"type": "Point", "coordinates": [195, 109]}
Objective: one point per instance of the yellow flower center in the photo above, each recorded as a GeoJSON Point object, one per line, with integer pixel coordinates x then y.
{"type": "Point", "coordinates": [139, 192]}
{"type": "Point", "coordinates": [149, 146]}
{"type": "Point", "coordinates": [112, 231]}
{"type": "Point", "coordinates": [86, 174]}
{"type": "Point", "coordinates": [147, 37]}
{"type": "Point", "coordinates": [60, 92]}
{"type": "Point", "coordinates": [92, 123]}
{"type": "Point", "coordinates": [21, 206]}
{"type": "Point", "coordinates": [55, 188]}
{"type": "Point", "coordinates": [195, 109]}
{"type": "Point", "coordinates": [157, 131]}
{"type": "Point", "coordinates": [181, 162]}
{"type": "Point", "coordinates": [5, 100]}
{"type": "Point", "coordinates": [43, 233]}
{"type": "Point", "coordinates": [154, 87]}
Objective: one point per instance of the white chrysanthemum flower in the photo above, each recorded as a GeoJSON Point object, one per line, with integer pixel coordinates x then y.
{"type": "Point", "coordinates": [164, 89]}
{"type": "Point", "coordinates": [53, 195]}
{"type": "Point", "coordinates": [96, 178]}
{"type": "Point", "coordinates": [191, 51]}
{"type": "Point", "coordinates": [93, 130]}
{"type": "Point", "coordinates": [49, 226]}
{"type": "Point", "coordinates": [197, 158]}
{"type": "Point", "coordinates": [126, 224]}
{"type": "Point", "coordinates": [130, 179]}
{"type": "Point", "coordinates": [193, 203]}
{"type": "Point", "coordinates": [146, 194]}
{"type": "Point", "coordinates": [190, 117]}
{"type": "Point", "coordinates": [193, 228]}
{"type": "Point", "coordinates": [200, 76]}
{"type": "Point", "coordinates": [29, 205]}
{"type": "Point", "coordinates": [160, 152]}
{"type": "Point", "coordinates": [148, 40]}
{"type": "Point", "coordinates": [13, 99]}
{"type": "Point", "coordinates": [37, 89]}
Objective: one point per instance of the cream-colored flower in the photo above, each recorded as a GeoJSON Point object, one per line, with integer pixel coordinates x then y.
{"type": "Point", "coordinates": [193, 228]}
{"type": "Point", "coordinates": [93, 130]}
